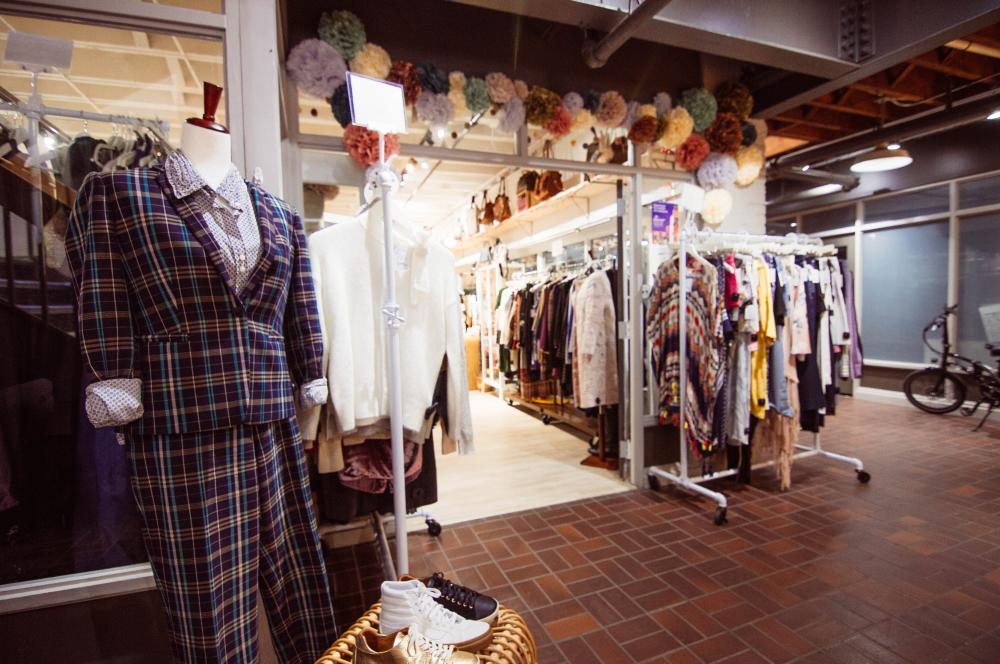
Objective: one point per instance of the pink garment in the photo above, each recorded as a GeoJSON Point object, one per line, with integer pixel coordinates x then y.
{"type": "Point", "coordinates": [368, 466]}
{"type": "Point", "coordinates": [732, 283]}
{"type": "Point", "coordinates": [798, 316]}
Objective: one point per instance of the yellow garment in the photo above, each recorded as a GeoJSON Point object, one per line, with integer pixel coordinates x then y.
{"type": "Point", "coordinates": [765, 338]}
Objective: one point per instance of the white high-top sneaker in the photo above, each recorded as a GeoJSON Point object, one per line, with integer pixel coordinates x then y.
{"type": "Point", "coordinates": [406, 603]}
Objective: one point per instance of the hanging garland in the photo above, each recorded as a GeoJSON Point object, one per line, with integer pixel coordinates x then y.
{"type": "Point", "coordinates": [699, 124]}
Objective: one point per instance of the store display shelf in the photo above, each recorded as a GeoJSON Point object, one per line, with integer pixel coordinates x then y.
{"type": "Point", "coordinates": [583, 190]}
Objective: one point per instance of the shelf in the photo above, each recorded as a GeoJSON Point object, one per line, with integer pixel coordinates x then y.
{"type": "Point", "coordinates": [582, 190]}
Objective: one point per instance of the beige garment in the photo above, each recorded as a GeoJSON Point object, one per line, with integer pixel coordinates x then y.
{"type": "Point", "coordinates": [780, 433]}
{"type": "Point", "coordinates": [596, 348]}
{"type": "Point", "coordinates": [473, 359]}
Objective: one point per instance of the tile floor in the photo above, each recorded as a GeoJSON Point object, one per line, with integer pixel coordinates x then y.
{"type": "Point", "coordinates": [905, 569]}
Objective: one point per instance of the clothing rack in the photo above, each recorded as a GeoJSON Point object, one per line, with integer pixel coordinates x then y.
{"type": "Point", "coordinates": [681, 478]}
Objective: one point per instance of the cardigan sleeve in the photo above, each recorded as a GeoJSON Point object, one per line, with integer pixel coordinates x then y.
{"type": "Point", "coordinates": [459, 431]}
{"type": "Point", "coordinates": [104, 320]}
{"type": "Point", "coordinates": [303, 335]}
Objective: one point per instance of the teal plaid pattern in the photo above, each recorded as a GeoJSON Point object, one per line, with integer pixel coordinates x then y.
{"type": "Point", "coordinates": [156, 302]}
{"type": "Point", "coordinates": [224, 512]}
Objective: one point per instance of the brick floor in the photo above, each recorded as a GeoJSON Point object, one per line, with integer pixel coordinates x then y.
{"type": "Point", "coordinates": [905, 569]}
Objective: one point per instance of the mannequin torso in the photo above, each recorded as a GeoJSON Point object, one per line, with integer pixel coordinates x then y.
{"type": "Point", "coordinates": [209, 151]}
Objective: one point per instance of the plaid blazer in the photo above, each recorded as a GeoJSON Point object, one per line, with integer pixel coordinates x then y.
{"type": "Point", "coordinates": [156, 302]}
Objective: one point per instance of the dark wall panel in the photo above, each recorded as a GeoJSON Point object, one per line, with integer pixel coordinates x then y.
{"type": "Point", "coordinates": [478, 41]}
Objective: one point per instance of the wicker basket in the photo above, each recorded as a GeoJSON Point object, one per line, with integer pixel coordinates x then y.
{"type": "Point", "coordinates": [512, 642]}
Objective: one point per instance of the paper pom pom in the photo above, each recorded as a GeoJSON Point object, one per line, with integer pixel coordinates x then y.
{"type": "Point", "coordinates": [749, 133]}
{"type": "Point", "coordinates": [612, 110]}
{"type": "Point", "coordinates": [521, 89]}
{"type": "Point", "coordinates": [405, 74]}
{"type": "Point", "coordinates": [476, 96]}
{"type": "Point", "coordinates": [724, 134]}
{"type": "Point", "coordinates": [433, 78]}
{"type": "Point", "coordinates": [734, 97]}
{"type": "Point", "coordinates": [500, 87]}
{"type": "Point", "coordinates": [573, 102]}
{"type": "Point", "coordinates": [749, 162]}
{"type": "Point", "coordinates": [344, 31]}
{"type": "Point", "coordinates": [456, 93]}
{"type": "Point", "coordinates": [592, 100]}
{"type": "Point", "coordinates": [643, 130]}
{"type": "Point", "coordinates": [583, 120]}
{"type": "Point", "coordinates": [316, 67]}
{"type": "Point", "coordinates": [631, 113]}
{"type": "Point", "coordinates": [372, 60]}
{"type": "Point", "coordinates": [434, 109]}
{"type": "Point", "coordinates": [560, 123]}
{"type": "Point", "coordinates": [679, 127]}
{"type": "Point", "coordinates": [648, 109]}
{"type": "Point", "coordinates": [716, 207]}
{"type": "Point", "coordinates": [717, 171]}
{"type": "Point", "coordinates": [541, 105]}
{"type": "Point", "coordinates": [692, 152]}
{"type": "Point", "coordinates": [511, 116]}
{"type": "Point", "coordinates": [700, 103]}
{"type": "Point", "coordinates": [661, 127]}
{"type": "Point", "coordinates": [362, 145]}
{"type": "Point", "coordinates": [761, 127]}
{"type": "Point", "coordinates": [663, 103]}
{"type": "Point", "coordinates": [341, 105]}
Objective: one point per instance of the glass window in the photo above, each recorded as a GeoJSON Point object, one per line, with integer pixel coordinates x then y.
{"type": "Point", "coordinates": [906, 206]}
{"type": "Point", "coordinates": [65, 502]}
{"type": "Point", "coordinates": [905, 285]}
{"type": "Point", "coordinates": [984, 191]}
{"type": "Point", "coordinates": [828, 220]}
{"type": "Point", "coordinates": [978, 281]}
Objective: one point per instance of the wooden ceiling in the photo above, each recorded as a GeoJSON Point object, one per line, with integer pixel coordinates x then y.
{"type": "Point", "coordinates": [960, 69]}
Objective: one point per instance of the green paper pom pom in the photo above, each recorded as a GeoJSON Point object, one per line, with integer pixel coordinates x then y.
{"type": "Point", "coordinates": [341, 105]}
{"type": "Point", "coordinates": [477, 98]}
{"type": "Point", "coordinates": [700, 103]}
{"type": "Point", "coordinates": [344, 31]}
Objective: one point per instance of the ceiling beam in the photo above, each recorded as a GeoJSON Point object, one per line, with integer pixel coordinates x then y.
{"type": "Point", "coordinates": [928, 25]}
{"type": "Point", "coordinates": [844, 108]}
{"type": "Point", "coordinates": [954, 64]}
{"type": "Point", "coordinates": [824, 119]}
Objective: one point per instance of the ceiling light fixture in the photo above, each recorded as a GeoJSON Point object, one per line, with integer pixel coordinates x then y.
{"type": "Point", "coordinates": [995, 115]}
{"type": "Point", "coordinates": [894, 146]}
{"type": "Point", "coordinates": [806, 167]}
{"type": "Point", "coordinates": [882, 158]}
{"type": "Point", "coordinates": [823, 189]}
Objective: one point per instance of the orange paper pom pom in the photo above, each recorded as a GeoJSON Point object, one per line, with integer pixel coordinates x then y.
{"type": "Point", "coordinates": [692, 152]}
{"type": "Point", "coordinates": [725, 134]}
{"type": "Point", "coordinates": [405, 74]}
{"type": "Point", "coordinates": [362, 145]}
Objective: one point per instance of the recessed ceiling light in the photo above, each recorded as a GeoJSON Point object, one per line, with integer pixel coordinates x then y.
{"type": "Point", "coordinates": [995, 115]}
{"type": "Point", "coordinates": [882, 158]}
{"type": "Point", "coordinates": [894, 146]}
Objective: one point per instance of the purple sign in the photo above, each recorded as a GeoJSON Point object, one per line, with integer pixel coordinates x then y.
{"type": "Point", "coordinates": [664, 216]}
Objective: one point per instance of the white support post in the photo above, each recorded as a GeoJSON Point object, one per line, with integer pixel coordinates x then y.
{"type": "Point", "coordinates": [386, 182]}
{"type": "Point", "coordinates": [636, 333]}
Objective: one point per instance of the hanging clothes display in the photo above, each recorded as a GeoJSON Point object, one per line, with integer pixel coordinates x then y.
{"type": "Point", "coordinates": [765, 335]}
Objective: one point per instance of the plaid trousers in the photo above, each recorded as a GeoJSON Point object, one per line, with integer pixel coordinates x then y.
{"type": "Point", "coordinates": [225, 511]}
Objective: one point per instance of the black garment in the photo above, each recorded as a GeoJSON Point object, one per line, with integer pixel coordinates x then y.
{"type": "Point", "coordinates": [80, 160]}
{"type": "Point", "coordinates": [811, 394]}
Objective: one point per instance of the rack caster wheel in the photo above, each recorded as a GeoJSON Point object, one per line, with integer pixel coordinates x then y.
{"type": "Point", "coordinates": [654, 482]}
{"type": "Point", "coordinates": [433, 528]}
{"type": "Point", "coordinates": [720, 516]}
{"type": "Point", "coordinates": [546, 420]}
{"type": "Point", "coordinates": [510, 402]}
{"type": "Point", "coordinates": [863, 476]}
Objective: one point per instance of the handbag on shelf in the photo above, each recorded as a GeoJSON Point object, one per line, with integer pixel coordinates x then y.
{"type": "Point", "coordinates": [470, 223]}
{"type": "Point", "coordinates": [501, 204]}
{"type": "Point", "coordinates": [485, 213]}
{"type": "Point", "coordinates": [550, 182]}
{"type": "Point", "coordinates": [526, 190]}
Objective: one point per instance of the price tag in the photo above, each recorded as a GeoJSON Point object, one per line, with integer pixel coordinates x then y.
{"type": "Point", "coordinates": [376, 104]}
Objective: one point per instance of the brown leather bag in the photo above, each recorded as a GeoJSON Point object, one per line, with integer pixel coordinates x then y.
{"type": "Point", "coordinates": [526, 190]}
{"type": "Point", "coordinates": [486, 212]}
{"type": "Point", "coordinates": [501, 204]}
{"type": "Point", "coordinates": [550, 182]}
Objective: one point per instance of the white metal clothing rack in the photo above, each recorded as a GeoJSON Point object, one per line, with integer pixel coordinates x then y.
{"type": "Point", "coordinates": [681, 478]}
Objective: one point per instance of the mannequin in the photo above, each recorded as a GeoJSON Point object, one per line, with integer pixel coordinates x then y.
{"type": "Point", "coordinates": [207, 143]}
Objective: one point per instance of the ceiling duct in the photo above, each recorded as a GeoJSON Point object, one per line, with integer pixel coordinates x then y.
{"type": "Point", "coordinates": [932, 122]}
{"type": "Point", "coordinates": [596, 54]}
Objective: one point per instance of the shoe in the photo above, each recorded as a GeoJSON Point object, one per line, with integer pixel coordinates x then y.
{"type": "Point", "coordinates": [464, 601]}
{"type": "Point", "coordinates": [409, 647]}
{"type": "Point", "coordinates": [406, 603]}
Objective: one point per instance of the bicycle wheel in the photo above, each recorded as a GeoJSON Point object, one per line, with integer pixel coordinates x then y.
{"type": "Point", "coordinates": [934, 391]}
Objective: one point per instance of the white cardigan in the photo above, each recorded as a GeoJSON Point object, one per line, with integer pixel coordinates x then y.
{"type": "Point", "coordinates": [347, 268]}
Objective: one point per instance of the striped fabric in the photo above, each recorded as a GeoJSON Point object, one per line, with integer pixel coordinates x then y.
{"type": "Point", "coordinates": [221, 511]}
{"type": "Point", "coordinates": [157, 302]}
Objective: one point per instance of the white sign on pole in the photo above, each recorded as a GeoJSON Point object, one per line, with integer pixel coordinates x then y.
{"type": "Point", "coordinates": [376, 104]}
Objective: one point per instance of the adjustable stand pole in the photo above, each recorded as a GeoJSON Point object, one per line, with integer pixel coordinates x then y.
{"type": "Point", "coordinates": [386, 181]}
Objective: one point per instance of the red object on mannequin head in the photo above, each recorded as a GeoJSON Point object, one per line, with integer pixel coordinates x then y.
{"type": "Point", "coordinates": [212, 95]}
